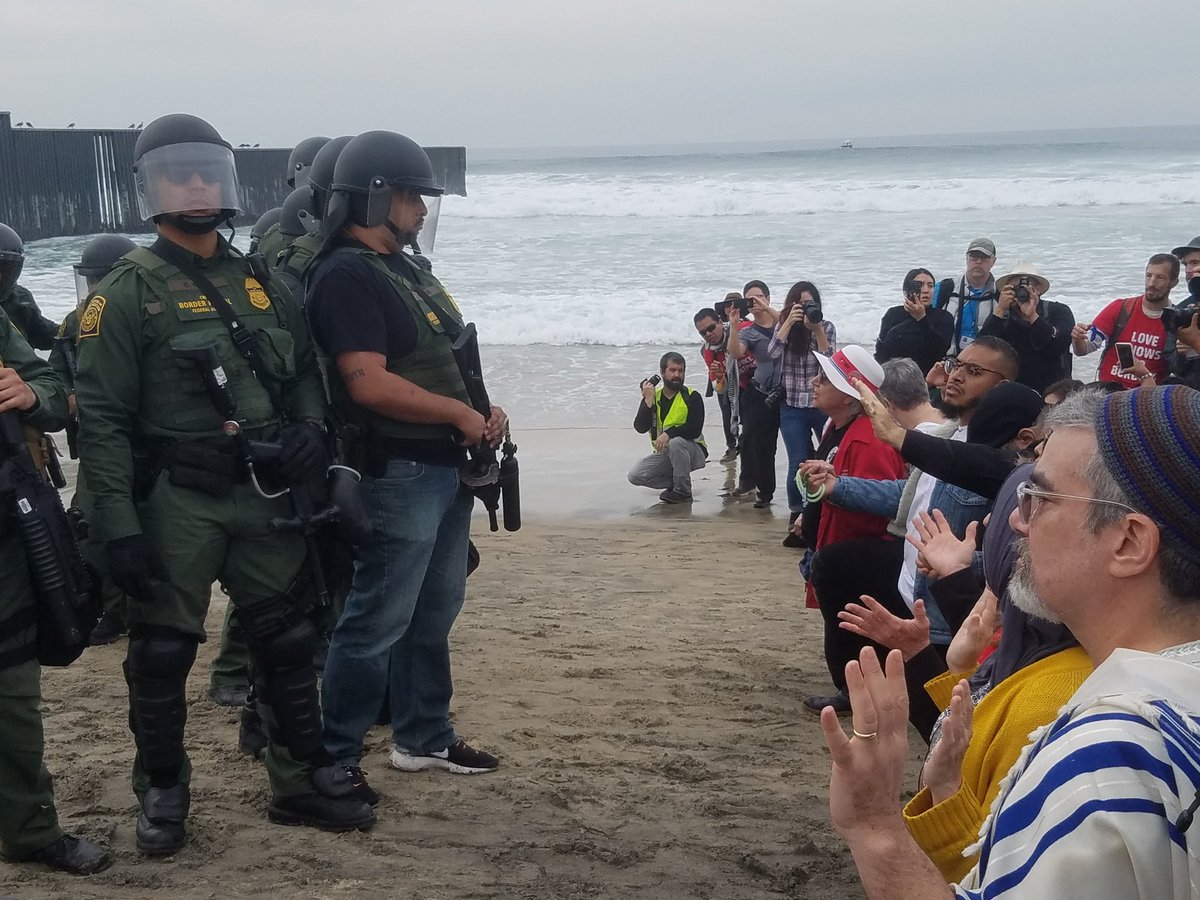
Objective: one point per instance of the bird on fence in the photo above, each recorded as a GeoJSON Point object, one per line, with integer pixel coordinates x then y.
{"type": "Point", "coordinates": [131, 125]}
{"type": "Point", "coordinates": [71, 125]}
{"type": "Point", "coordinates": [139, 124]}
{"type": "Point", "coordinates": [256, 145]}
{"type": "Point", "coordinates": [18, 125]}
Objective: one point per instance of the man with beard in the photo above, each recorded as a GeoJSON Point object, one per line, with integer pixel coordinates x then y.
{"type": "Point", "coordinates": [1137, 321]}
{"type": "Point", "coordinates": [984, 364]}
{"type": "Point", "coordinates": [715, 352]}
{"type": "Point", "coordinates": [1104, 797]}
{"type": "Point", "coordinates": [673, 415]}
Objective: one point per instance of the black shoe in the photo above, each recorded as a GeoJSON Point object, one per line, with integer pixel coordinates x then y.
{"type": "Point", "coordinates": [839, 701]}
{"type": "Point", "coordinates": [318, 811]}
{"type": "Point", "coordinates": [160, 823]}
{"type": "Point", "coordinates": [762, 502]}
{"type": "Point", "coordinates": [107, 630]}
{"type": "Point", "coordinates": [252, 737]}
{"type": "Point", "coordinates": [460, 758]}
{"type": "Point", "coordinates": [731, 454]}
{"type": "Point", "coordinates": [228, 694]}
{"type": "Point", "coordinates": [73, 855]}
{"type": "Point", "coordinates": [360, 790]}
{"type": "Point", "coordinates": [673, 496]}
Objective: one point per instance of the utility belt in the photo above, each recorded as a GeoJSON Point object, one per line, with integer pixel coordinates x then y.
{"type": "Point", "coordinates": [211, 466]}
{"type": "Point", "coordinates": [370, 451]}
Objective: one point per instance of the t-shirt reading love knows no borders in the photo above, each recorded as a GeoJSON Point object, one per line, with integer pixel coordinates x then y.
{"type": "Point", "coordinates": [1146, 334]}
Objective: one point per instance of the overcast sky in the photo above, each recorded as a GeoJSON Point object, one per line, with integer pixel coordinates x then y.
{"type": "Point", "coordinates": [533, 73]}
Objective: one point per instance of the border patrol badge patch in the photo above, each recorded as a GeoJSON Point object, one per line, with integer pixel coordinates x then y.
{"type": "Point", "coordinates": [258, 297]}
{"type": "Point", "coordinates": [89, 322]}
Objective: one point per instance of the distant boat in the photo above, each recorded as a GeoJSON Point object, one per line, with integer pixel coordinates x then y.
{"type": "Point", "coordinates": [846, 145]}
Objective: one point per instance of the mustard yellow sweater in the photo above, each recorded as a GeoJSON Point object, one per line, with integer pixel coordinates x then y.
{"type": "Point", "coordinates": [1000, 730]}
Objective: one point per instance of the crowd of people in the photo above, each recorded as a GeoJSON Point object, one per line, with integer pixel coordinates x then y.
{"type": "Point", "coordinates": [1004, 559]}
{"type": "Point", "coordinates": [293, 429]}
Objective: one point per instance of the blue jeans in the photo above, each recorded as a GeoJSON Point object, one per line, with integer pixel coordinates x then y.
{"type": "Point", "coordinates": [394, 631]}
{"type": "Point", "coordinates": [801, 429]}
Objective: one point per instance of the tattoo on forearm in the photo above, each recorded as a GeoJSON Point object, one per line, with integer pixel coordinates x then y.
{"type": "Point", "coordinates": [356, 374]}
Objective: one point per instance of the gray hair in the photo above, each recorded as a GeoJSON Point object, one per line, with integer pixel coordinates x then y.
{"type": "Point", "coordinates": [1179, 573]}
{"type": "Point", "coordinates": [903, 384]}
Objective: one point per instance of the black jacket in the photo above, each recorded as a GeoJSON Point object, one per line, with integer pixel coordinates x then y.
{"type": "Point", "coordinates": [1043, 347]}
{"type": "Point", "coordinates": [924, 342]}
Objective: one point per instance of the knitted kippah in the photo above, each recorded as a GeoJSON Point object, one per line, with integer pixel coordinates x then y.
{"type": "Point", "coordinates": [1150, 440]}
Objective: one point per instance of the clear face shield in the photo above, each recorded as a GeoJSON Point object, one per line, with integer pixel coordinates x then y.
{"type": "Point", "coordinates": [187, 178]}
{"type": "Point", "coordinates": [429, 230]}
{"type": "Point", "coordinates": [84, 285]}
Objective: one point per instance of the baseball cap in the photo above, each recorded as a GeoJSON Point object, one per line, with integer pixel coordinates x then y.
{"type": "Point", "coordinates": [1002, 413]}
{"type": "Point", "coordinates": [983, 245]}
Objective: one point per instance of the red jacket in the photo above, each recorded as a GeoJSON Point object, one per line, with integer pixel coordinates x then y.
{"type": "Point", "coordinates": [859, 455]}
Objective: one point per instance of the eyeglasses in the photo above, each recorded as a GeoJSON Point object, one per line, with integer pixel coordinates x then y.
{"type": "Point", "coordinates": [978, 256]}
{"type": "Point", "coordinates": [182, 173]}
{"type": "Point", "coordinates": [1030, 497]}
{"type": "Point", "coordinates": [950, 363]}
{"type": "Point", "coordinates": [710, 329]}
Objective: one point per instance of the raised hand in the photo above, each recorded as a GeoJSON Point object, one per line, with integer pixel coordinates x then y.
{"type": "Point", "coordinates": [975, 634]}
{"type": "Point", "coordinates": [943, 769]}
{"type": "Point", "coordinates": [875, 623]}
{"type": "Point", "coordinates": [941, 552]}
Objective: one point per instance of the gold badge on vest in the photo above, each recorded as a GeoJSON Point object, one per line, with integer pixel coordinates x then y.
{"type": "Point", "coordinates": [258, 297]}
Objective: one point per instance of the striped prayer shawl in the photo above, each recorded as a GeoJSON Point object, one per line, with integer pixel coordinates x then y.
{"type": "Point", "coordinates": [1090, 807]}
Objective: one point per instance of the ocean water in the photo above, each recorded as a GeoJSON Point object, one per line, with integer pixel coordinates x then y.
{"type": "Point", "coordinates": [580, 270]}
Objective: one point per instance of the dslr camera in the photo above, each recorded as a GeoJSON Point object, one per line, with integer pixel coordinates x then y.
{"type": "Point", "coordinates": [812, 312]}
{"type": "Point", "coordinates": [1021, 290]}
{"type": "Point", "coordinates": [741, 304]}
{"type": "Point", "coordinates": [1174, 319]}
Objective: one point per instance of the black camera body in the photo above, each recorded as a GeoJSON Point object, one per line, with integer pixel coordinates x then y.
{"type": "Point", "coordinates": [741, 304]}
{"type": "Point", "coordinates": [1174, 319]}
{"type": "Point", "coordinates": [812, 312]}
{"type": "Point", "coordinates": [1021, 291]}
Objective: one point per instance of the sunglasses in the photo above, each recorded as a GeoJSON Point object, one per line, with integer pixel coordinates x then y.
{"type": "Point", "coordinates": [182, 173]}
{"type": "Point", "coordinates": [1030, 497]}
{"type": "Point", "coordinates": [710, 329]}
{"type": "Point", "coordinates": [951, 363]}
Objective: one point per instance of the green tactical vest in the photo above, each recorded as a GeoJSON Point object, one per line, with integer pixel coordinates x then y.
{"type": "Point", "coordinates": [174, 402]}
{"type": "Point", "coordinates": [677, 414]}
{"type": "Point", "coordinates": [430, 365]}
{"type": "Point", "coordinates": [298, 258]}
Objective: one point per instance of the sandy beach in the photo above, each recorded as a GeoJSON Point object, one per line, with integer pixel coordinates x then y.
{"type": "Point", "coordinates": [638, 668]}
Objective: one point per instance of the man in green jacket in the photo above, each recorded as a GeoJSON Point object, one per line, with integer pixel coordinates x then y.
{"type": "Point", "coordinates": [29, 829]}
{"type": "Point", "coordinates": [16, 301]}
{"type": "Point", "coordinates": [174, 331]}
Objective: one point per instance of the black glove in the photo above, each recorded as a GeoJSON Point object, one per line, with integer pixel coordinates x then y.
{"type": "Point", "coordinates": [303, 453]}
{"type": "Point", "coordinates": [132, 562]}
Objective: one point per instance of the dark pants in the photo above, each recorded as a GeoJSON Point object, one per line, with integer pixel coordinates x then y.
{"type": "Point", "coordinates": [760, 437]}
{"type": "Point", "coordinates": [842, 572]}
{"type": "Point", "coordinates": [727, 420]}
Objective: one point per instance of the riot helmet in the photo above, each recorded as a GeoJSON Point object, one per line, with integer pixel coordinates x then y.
{"type": "Point", "coordinates": [182, 166]}
{"type": "Point", "coordinates": [320, 175]}
{"type": "Point", "coordinates": [260, 228]}
{"type": "Point", "coordinates": [373, 166]}
{"type": "Point", "coordinates": [12, 259]}
{"type": "Point", "coordinates": [99, 255]}
{"type": "Point", "coordinates": [301, 159]}
{"type": "Point", "coordinates": [296, 214]}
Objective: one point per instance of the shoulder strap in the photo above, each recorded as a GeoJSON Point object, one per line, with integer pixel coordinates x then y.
{"type": "Point", "coordinates": [1122, 321]}
{"type": "Point", "coordinates": [243, 338]}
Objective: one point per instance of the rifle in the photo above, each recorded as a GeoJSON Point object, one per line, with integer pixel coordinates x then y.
{"type": "Point", "coordinates": [66, 596]}
{"type": "Point", "coordinates": [488, 479]}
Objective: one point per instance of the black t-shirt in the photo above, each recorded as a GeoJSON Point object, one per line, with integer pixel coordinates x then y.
{"type": "Point", "coordinates": [353, 308]}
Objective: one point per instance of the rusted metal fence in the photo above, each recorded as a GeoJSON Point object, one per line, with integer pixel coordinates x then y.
{"type": "Point", "coordinates": [59, 181]}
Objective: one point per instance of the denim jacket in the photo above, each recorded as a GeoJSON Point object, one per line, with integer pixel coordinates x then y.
{"type": "Point", "coordinates": [959, 506]}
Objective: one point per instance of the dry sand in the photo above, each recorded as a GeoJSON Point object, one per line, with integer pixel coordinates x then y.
{"type": "Point", "coordinates": [640, 677]}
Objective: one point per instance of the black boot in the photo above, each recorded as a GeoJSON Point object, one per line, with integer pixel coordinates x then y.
{"type": "Point", "coordinates": [160, 824]}
{"type": "Point", "coordinates": [252, 736]}
{"type": "Point", "coordinates": [107, 630]}
{"type": "Point", "coordinates": [332, 805]}
{"type": "Point", "coordinates": [73, 855]}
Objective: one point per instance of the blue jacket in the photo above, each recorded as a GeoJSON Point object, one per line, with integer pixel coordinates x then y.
{"type": "Point", "coordinates": [960, 507]}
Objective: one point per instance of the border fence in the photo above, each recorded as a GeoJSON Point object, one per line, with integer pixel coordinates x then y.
{"type": "Point", "coordinates": [69, 181]}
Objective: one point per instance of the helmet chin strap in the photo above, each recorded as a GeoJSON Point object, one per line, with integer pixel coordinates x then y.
{"type": "Point", "coordinates": [196, 224]}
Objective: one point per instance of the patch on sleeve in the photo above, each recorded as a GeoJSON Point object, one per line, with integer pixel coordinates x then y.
{"type": "Point", "coordinates": [89, 322]}
{"type": "Point", "coordinates": [258, 297]}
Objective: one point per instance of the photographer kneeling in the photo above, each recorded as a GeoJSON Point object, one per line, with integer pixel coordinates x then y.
{"type": "Point", "coordinates": [673, 415]}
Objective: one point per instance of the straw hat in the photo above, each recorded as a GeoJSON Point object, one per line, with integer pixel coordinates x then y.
{"type": "Point", "coordinates": [1024, 270]}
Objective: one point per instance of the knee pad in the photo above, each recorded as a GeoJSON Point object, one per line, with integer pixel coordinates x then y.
{"type": "Point", "coordinates": [289, 689]}
{"type": "Point", "coordinates": [156, 670]}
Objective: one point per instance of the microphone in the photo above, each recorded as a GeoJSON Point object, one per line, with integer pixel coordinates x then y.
{"type": "Point", "coordinates": [942, 293]}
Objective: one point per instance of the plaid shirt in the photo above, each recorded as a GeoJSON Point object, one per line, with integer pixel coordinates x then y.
{"type": "Point", "coordinates": [798, 370]}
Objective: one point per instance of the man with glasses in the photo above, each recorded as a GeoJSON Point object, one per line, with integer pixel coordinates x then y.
{"type": "Point", "coordinates": [714, 350]}
{"type": "Point", "coordinates": [1038, 329]}
{"type": "Point", "coordinates": [975, 297]}
{"type": "Point", "coordinates": [1104, 798]}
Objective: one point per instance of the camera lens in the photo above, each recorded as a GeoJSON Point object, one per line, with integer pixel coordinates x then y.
{"type": "Point", "coordinates": [813, 313]}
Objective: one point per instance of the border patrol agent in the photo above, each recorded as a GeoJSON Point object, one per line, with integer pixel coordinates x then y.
{"type": "Point", "coordinates": [173, 500]}
{"type": "Point", "coordinates": [16, 301]}
{"type": "Point", "coordinates": [29, 827]}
